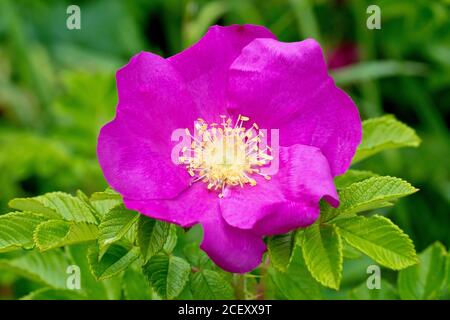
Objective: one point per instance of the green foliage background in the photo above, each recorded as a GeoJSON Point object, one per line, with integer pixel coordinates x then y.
{"type": "Point", "coordinates": [57, 88]}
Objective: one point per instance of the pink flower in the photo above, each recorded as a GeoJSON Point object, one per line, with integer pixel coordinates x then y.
{"type": "Point", "coordinates": [234, 76]}
{"type": "Point", "coordinates": [345, 54]}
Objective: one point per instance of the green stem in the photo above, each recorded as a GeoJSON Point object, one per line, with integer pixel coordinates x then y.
{"type": "Point", "coordinates": [239, 286]}
{"type": "Point", "coordinates": [261, 288]}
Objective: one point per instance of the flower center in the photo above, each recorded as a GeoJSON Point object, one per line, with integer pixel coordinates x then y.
{"type": "Point", "coordinates": [225, 155]}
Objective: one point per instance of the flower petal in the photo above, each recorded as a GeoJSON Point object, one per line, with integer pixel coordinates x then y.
{"type": "Point", "coordinates": [289, 200]}
{"type": "Point", "coordinates": [286, 86]}
{"type": "Point", "coordinates": [204, 66]}
{"type": "Point", "coordinates": [232, 249]}
{"type": "Point", "coordinates": [153, 98]}
{"type": "Point", "coordinates": [191, 205]}
{"type": "Point", "coordinates": [134, 150]}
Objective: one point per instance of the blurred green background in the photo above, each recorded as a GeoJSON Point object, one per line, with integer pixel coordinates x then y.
{"type": "Point", "coordinates": [57, 86]}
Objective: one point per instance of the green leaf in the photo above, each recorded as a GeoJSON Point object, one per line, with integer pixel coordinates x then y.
{"type": "Point", "coordinates": [108, 194]}
{"type": "Point", "coordinates": [54, 294]}
{"type": "Point", "coordinates": [116, 259]}
{"type": "Point", "coordinates": [362, 292]}
{"type": "Point", "coordinates": [384, 133]}
{"type": "Point", "coordinates": [210, 285]}
{"type": "Point", "coordinates": [85, 199]}
{"type": "Point", "coordinates": [186, 294]}
{"type": "Point", "coordinates": [167, 274]}
{"type": "Point", "coordinates": [93, 289]}
{"type": "Point", "coordinates": [448, 275]}
{"type": "Point", "coordinates": [322, 250]}
{"type": "Point", "coordinates": [57, 233]}
{"type": "Point", "coordinates": [48, 268]}
{"type": "Point", "coordinates": [32, 205]}
{"type": "Point", "coordinates": [103, 202]}
{"type": "Point", "coordinates": [380, 239]}
{"type": "Point", "coordinates": [369, 194]}
{"type": "Point", "coordinates": [425, 280]}
{"type": "Point", "coordinates": [281, 249]}
{"type": "Point", "coordinates": [114, 225]}
{"type": "Point", "coordinates": [352, 176]}
{"type": "Point", "coordinates": [69, 207]}
{"type": "Point", "coordinates": [171, 240]}
{"type": "Point", "coordinates": [135, 285]}
{"type": "Point", "coordinates": [151, 236]}
{"type": "Point", "coordinates": [296, 283]}
{"type": "Point", "coordinates": [16, 230]}
{"type": "Point", "coordinates": [197, 257]}
{"type": "Point", "coordinates": [58, 205]}
{"type": "Point", "coordinates": [350, 253]}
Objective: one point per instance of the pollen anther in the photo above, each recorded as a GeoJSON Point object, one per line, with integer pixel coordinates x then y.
{"type": "Point", "coordinates": [224, 155]}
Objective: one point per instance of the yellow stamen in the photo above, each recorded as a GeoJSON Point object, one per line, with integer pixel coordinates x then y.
{"type": "Point", "coordinates": [225, 155]}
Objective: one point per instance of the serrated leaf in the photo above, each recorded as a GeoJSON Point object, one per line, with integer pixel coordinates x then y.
{"type": "Point", "coordinates": [322, 250]}
{"type": "Point", "coordinates": [108, 289]}
{"type": "Point", "coordinates": [281, 249]}
{"type": "Point", "coordinates": [83, 197]}
{"type": "Point", "coordinates": [16, 230]}
{"type": "Point", "coordinates": [114, 225]}
{"type": "Point", "coordinates": [135, 285]}
{"type": "Point", "coordinates": [372, 193]}
{"type": "Point", "coordinates": [296, 283]}
{"type": "Point", "coordinates": [384, 133]}
{"type": "Point", "coordinates": [171, 240]}
{"type": "Point", "coordinates": [108, 194]}
{"type": "Point", "coordinates": [116, 259]}
{"type": "Point", "coordinates": [62, 205]}
{"type": "Point", "coordinates": [210, 285]}
{"type": "Point", "coordinates": [167, 274]}
{"type": "Point", "coordinates": [102, 207]}
{"type": "Point", "coordinates": [425, 280]}
{"type": "Point", "coordinates": [352, 176]}
{"type": "Point", "coordinates": [48, 268]}
{"type": "Point", "coordinates": [380, 239]}
{"type": "Point", "coordinates": [32, 205]}
{"type": "Point", "coordinates": [197, 257]}
{"type": "Point", "coordinates": [151, 236]}
{"type": "Point", "coordinates": [57, 233]}
{"type": "Point", "coordinates": [103, 202]}
{"type": "Point", "coordinates": [54, 294]}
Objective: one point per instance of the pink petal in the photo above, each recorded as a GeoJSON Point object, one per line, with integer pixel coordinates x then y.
{"type": "Point", "coordinates": [186, 209]}
{"type": "Point", "coordinates": [288, 201]}
{"type": "Point", "coordinates": [232, 249]}
{"type": "Point", "coordinates": [286, 86]}
{"type": "Point", "coordinates": [204, 66]}
{"type": "Point", "coordinates": [134, 150]}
